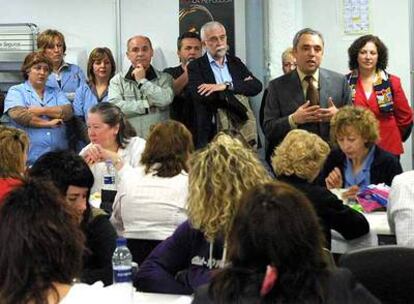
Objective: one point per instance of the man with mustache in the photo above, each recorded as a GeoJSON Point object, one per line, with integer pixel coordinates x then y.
{"type": "Point", "coordinates": [142, 93]}
{"type": "Point", "coordinates": [306, 98]}
{"type": "Point", "coordinates": [214, 81]}
{"type": "Point", "coordinates": [188, 49]}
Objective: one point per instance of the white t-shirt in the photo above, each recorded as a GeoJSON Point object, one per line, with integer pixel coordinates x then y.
{"type": "Point", "coordinates": [147, 206]}
{"type": "Point", "coordinates": [87, 294]}
{"type": "Point", "coordinates": [131, 155]}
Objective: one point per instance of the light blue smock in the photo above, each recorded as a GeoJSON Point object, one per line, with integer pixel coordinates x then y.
{"type": "Point", "coordinates": [71, 77]}
{"type": "Point", "coordinates": [42, 140]}
{"type": "Point", "coordinates": [85, 98]}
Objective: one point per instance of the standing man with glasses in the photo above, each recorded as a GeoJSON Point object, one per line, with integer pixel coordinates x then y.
{"type": "Point", "coordinates": [215, 79]}
{"type": "Point", "coordinates": [306, 98]}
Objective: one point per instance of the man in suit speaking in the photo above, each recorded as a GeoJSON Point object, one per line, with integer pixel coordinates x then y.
{"type": "Point", "coordinates": [307, 97]}
{"type": "Point", "coordinates": [215, 81]}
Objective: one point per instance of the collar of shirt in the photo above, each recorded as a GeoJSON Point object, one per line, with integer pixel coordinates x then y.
{"type": "Point", "coordinates": [94, 92]}
{"type": "Point", "coordinates": [47, 94]}
{"type": "Point", "coordinates": [221, 72]}
{"type": "Point", "coordinates": [63, 66]}
{"type": "Point", "coordinates": [315, 79]}
{"type": "Point", "coordinates": [363, 177]}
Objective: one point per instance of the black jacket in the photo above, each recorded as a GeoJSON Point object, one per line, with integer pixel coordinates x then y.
{"type": "Point", "coordinates": [199, 72]}
{"type": "Point", "coordinates": [341, 288]}
{"type": "Point", "coordinates": [332, 213]}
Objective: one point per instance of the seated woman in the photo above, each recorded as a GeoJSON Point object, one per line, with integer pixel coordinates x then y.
{"type": "Point", "coordinates": [219, 174]}
{"type": "Point", "coordinates": [151, 198]}
{"type": "Point", "coordinates": [275, 255]}
{"type": "Point", "coordinates": [101, 68]}
{"type": "Point", "coordinates": [298, 161]}
{"type": "Point", "coordinates": [109, 129]}
{"type": "Point", "coordinates": [358, 161]}
{"type": "Point", "coordinates": [14, 145]}
{"type": "Point", "coordinates": [73, 178]}
{"type": "Point", "coordinates": [37, 109]}
{"type": "Point", "coordinates": [44, 250]}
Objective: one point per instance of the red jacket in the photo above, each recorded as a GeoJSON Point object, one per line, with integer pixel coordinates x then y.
{"type": "Point", "coordinates": [390, 125]}
{"type": "Point", "coordinates": [6, 185]}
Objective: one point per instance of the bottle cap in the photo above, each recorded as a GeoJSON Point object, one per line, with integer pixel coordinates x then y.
{"type": "Point", "coordinates": [121, 242]}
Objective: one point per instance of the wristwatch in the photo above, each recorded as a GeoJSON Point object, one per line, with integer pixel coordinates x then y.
{"type": "Point", "coordinates": [229, 85]}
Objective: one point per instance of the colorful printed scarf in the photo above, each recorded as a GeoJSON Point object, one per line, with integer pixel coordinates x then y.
{"type": "Point", "coordinates": [382, 89]}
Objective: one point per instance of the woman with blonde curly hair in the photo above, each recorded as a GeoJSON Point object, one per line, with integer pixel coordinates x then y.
{"type": "Point", "coordinates": [298, 161]}
{"type": "Point", "coordinates": [14, 145]}
{"type": "Point", "coordinates": [358, 161]}
{"type": "Point", "coordinates": [219, 174]}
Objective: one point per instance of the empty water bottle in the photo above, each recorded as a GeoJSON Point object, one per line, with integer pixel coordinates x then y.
{"type": "Point", "coordinates": [122, 270]}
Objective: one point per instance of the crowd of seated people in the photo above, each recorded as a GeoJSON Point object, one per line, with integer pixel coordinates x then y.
{"type": "Point", "coordinates": [206, 216]}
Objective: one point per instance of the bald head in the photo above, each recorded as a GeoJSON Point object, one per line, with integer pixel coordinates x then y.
{"type": "Point", "coordinates": [140, 37]}
{"type": "Point", "coordinates": [139, 51]}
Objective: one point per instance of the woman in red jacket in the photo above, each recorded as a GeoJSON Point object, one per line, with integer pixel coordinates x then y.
{"type": "Point", "coordinates": [372, 87]}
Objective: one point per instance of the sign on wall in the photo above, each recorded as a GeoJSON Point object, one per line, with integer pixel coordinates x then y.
{"type": "Point", "coordinates": [356, 17]}
{"type": "Point", "coordinates": [194, 13]}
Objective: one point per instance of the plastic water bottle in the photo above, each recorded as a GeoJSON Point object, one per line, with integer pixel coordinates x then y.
{"type": "Point", "coordinates": [108, 190]}
{"type": "Point", "coordinates": [109, 178]}
{"type": "Point", "coordinates": [122, 271]}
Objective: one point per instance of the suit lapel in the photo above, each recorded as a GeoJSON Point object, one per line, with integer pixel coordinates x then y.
{"type": "Point", "coordinates": [295, 89]}
{"type": "Point", "coordinates": [324, 83]}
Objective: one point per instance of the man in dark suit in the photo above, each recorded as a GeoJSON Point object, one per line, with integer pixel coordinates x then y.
{"type": "Point", "coordinates": [214, 79]}
{"type": "Point", "coordinates": [188, 49]}
{"type": "Point", "coordinates": [306, 98]}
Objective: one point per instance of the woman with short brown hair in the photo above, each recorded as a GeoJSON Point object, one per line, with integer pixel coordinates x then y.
{"type": "Point", "coordinates": [38, 109]}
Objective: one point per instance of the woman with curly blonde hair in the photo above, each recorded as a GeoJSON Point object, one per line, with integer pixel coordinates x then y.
{"type": "Point", "coordinates": [219, 174]}
{"type": "Point", "coordinates": [298, 161]}
{"type": "Point", "coordinates": [14, 145]}
{"type": "Point", "coordinates": [359, 161]}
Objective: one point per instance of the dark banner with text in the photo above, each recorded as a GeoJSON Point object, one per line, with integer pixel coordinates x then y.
{"type": "Point", "coordinates": [195, 13]}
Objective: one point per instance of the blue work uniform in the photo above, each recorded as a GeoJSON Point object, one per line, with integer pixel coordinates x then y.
{"type": "Point", "coordinates": [85, 98]}
{"type": "Point", "coordinates": [42, 140]}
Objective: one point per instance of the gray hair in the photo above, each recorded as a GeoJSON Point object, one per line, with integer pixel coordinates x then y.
{"type": "Point", "coordinates": [306, 31]}
{"type": "Point", "coordinates": [139, 36]}
{"type": "Point", "coordinates": [208, 26]}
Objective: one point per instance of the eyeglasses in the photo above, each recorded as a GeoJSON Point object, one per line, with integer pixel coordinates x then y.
{"type": "Point", "coordinates": [216, 39]}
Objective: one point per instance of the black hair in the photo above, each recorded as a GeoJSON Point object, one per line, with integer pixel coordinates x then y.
{"type": "Point", "coordinates": [359, 43]}
{"type": "Point", "coordinates": [185, 35]}
{"type": "Point", "coordinates": [64, 168]}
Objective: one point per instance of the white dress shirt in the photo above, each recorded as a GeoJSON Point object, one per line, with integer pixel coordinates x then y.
{"type": "Point", "coordinates": [401, 208]}
{"type": "Point", "coordinates": [147, 206]}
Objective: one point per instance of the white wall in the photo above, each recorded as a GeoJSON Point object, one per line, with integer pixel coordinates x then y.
{"type": "Point", "coordinates": [87, 24]}
{"type": "Point", "coordinates": [389, 21]}
{"type": "Point", "coordinates": [285, 19]}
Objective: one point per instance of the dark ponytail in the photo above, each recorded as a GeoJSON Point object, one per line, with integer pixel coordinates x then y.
{"type": "Point", "coordinates": [112, 116]}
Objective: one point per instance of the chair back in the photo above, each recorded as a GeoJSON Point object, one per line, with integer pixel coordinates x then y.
{"type": "Point", "coordinates": [386, 271]}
